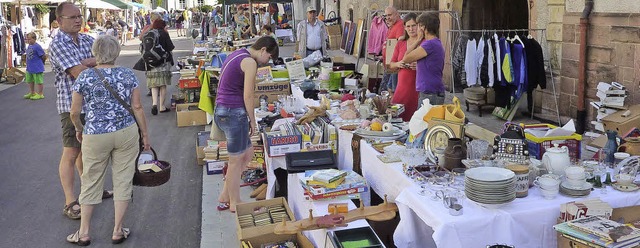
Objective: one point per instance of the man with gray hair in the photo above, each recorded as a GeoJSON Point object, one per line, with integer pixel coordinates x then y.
{"type": "Point", "coordinates": [312, 35]}
{"type": "Point", "coordinates": [396, 30]}
{"type": "Point", "coordinates": [70, 53]}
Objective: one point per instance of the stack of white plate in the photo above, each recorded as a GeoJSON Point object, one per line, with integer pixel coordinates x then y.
{"type": "Point", "coordinates": [490, 186]}
{"type": "Point", "coordinates": [575, 191]}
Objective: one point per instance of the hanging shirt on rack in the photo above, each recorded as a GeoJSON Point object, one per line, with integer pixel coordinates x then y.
{"type": "Point", "coordinates": [519, 68]}
{"type": "Point", "coordinates": [536, 73]}
{"type": "Point", "coordinates": [471, 64]}
{"type": "Point", "coordinates": [377, 35]}
{"type": "Point", "coordinates": [491, 60]}
{"type": "Point", "coordinates": [498, 56]}
{"type": "Point", "coordinates": [507, 67]}
{"type": "Point", "coordinates": [479, 58]}
{"type": "Point", "coordinates": [458, 60]}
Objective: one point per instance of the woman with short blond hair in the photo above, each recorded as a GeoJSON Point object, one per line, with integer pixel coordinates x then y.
{"type": "Point", "coordinates": [110, 134]}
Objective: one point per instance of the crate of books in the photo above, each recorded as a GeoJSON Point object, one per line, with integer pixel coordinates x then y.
{"type": "Point", "coordinates": [596, 224]}
{"type": "Point", "coordinates": [319, 135]}
{"type": "Point", "coordinates": [275, 240]}
{"type": "Point", "coordinates": [286, 140]}
{"type": "Point", "coordinates": [259, 218]}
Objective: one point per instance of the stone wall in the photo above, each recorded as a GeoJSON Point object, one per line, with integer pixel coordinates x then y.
{"type": "Point", "coordinates": [613, 55]}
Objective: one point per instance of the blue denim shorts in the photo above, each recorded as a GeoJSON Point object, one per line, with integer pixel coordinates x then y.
{"type": "Point", "coordinates": [234, 122]}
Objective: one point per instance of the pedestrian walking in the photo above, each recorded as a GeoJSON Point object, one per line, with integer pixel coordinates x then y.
{"type": "Point", "coordinates": [35, 68]}
{"type": "Point", "coordinates": [110, 135]}
{"type": "Point", "coordinates": [70, 53]}
{"type": "Point", "coordinates": [158, 72]}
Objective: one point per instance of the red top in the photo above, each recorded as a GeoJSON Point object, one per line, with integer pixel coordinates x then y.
{"type": "Point", "coordinates": [395, 32]}
{"type": "Point", "coordinates": [406, 90]}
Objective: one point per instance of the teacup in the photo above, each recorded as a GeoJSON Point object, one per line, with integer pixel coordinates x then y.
{"type": "Point", "coordinates": [546, 182]}
{"type": "Point", "coordinates": [575, 172]}
{"type": "Point", "coordinates": [549, 193]}
{"type": "Point", "coordinates": [624, 179]}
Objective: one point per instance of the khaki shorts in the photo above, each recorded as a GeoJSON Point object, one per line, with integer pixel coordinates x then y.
{"type": "Point", "coordinates": [121, 149]}
{"type": "Point", "coordinates": [69, 131]}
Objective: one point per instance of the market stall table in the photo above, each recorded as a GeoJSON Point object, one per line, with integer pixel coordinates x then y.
{"type": "Point", "coordinates": [525, 222]}
{"type": "Point", "coordinates": [300, 208]}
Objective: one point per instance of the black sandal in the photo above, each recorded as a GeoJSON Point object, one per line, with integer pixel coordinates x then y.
{"type": "Point", "coordinates": [123, 235]}
{"type": "Point", "coordinates": [76, 238]}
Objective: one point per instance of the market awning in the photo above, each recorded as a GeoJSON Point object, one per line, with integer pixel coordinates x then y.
{"type": "Point", "coordinates": [101, 5]}
{"type": "Point", "coordinates": [138, 5]}
{"type": "Point", "coordinates": [117, 3]}
{"type": "Point", "coordinates": [229, 2]}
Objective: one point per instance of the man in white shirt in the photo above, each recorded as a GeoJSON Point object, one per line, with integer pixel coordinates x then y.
{"type": "Point", "coordinates": [312, 34]}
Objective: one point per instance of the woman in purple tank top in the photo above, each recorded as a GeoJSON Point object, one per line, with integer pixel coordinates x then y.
{"type": "Point", "coordinates": [234, 111]}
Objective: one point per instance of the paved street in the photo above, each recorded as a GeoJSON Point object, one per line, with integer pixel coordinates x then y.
{"type": "Point", "coordinates": [31, 197]}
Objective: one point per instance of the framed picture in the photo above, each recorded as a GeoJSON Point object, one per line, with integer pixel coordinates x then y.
{"type": "Point", "coordinates": [345, 35]}
{"type": "Point", "coordinates": [357, 45]}
{"type": "Point", "coordinates": [351, 38]}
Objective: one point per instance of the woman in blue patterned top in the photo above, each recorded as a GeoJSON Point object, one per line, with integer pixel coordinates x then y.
{"type": "Point", "coordinates": [110, 134]}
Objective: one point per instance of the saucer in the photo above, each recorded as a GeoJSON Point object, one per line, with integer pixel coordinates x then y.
{"type": "Point", "coordinates": [585, 186]}
{"type": "Point", "coordinates": [625, 188]}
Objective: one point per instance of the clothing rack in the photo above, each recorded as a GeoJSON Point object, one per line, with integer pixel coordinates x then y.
{"type": "Point", "coordinates": [542, 38]}
{"type": "Point", "coordinates": [455, 25]}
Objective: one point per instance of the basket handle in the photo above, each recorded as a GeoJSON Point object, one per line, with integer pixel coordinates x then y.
{"type": "Point", "coordinates": [155, 156]}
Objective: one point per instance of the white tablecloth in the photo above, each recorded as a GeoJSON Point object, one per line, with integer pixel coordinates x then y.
{"type": "Point", "coordinates": [344, 160]}
{"type": "Point", "coordinates": [300, 208]}
{"type": "Point", "coordinates": [526, 222]}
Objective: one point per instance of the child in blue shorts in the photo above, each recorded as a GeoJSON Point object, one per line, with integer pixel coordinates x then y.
{"type": "Point", "coordinates": [35, 67]}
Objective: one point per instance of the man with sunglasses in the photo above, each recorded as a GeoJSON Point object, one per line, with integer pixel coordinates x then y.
{"type": "Point", "coordinates": [70, 53]}
{"type": "Point", "coordinates": [312, 34]}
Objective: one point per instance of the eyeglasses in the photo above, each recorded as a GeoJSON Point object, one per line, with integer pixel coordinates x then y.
{"type": "Point", "coordinates": [77, 17]}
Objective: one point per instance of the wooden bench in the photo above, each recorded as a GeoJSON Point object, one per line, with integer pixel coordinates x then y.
{"type": "Point", "coordinates": [477, 132]}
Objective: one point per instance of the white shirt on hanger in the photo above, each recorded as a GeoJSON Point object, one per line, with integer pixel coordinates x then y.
{"type": "Point", "coordinates": [479, 58]}
{"type": "Point", "coordinates": [471, 64]}
{"type": "Point", "coordinates": [490, 60]}
{"type": "Point", "coordinates": [497, 55]}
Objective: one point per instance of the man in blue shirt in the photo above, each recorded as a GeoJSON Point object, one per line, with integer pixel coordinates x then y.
{"type": "Point", "coordinates": [70, 54]}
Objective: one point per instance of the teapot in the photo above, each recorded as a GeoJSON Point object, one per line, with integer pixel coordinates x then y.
{"type": "Point", "coordinates": [556, 159]}
{"type": "Point", "coordinates": [631, 146]}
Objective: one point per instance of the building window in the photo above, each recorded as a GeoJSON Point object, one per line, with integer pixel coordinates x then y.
{"type": "Point", "coordinates": [183, 4]}
{"type": "Point", "coordinates": [200, 2]}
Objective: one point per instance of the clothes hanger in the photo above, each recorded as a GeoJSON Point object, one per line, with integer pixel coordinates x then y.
{"type": "Point", "coordinates": [529, 36]}
{"type": "Point", "coordinates": [517, 38]}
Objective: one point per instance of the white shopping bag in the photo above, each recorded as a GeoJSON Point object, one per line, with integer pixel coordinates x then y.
{"type": "Point", "coordinates": [417, 124]}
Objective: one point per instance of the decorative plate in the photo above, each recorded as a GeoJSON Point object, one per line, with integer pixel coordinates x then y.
{"type": "Point", "coordinates": [350, 127]}
{"type": "Point", "coordinates": [625, 188]}
{"type": "Point", "coordinates": [437, 136]}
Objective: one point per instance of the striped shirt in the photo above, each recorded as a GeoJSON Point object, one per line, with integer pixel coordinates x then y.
{"type": "Point", "coordinates": [65, 54]}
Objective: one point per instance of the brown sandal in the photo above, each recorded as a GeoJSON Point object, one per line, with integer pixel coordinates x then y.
{"type": "Point", "coordinates": [122, 235]}
{"type": "Point", "coordinates": [68, 210]}
{"type": "Point", "coordinates": [77, 238]}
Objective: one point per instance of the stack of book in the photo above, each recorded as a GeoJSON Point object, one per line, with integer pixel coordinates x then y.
{"type": "Point", "coordinates": [333, 184]}
{"type": "Point", "coordinates": [600, 231]}
{"type": "Point", "coordinates": [586, 208]}
{"type": "Point", "coordinates": [319, 135]}
{"type": "Point", "coordinates": [223, 154]}
{"type": "Point", "coordinates": [612, 97]}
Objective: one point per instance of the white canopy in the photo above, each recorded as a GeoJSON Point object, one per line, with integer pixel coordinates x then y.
{"type": "Point", "coordinates": [160, 9]}
{"type": "Point", "coordinates": [101, 5]}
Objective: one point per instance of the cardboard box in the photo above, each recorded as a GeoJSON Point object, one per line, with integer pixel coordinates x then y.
{"type": "Point", "coordinates": [334, 42]}
{"type": "Point", "coordinates": [271, 91]}
{"type": "Point", "coordinates": [279, 145]}
{"type": "Point", "coordinates": [215, 167]}
{"type": "Point", "coordinates": [334, 30]}
{"type": "Point", "coordinates": [189, 115]}
{"type": "Point", "coordinates": [628, 214]}
{"type": "Point", "coordinates": [201, 143]}
{"type": "Point", "coordinates": [257, 231]}
{"type": "Point", "coordinates": [391, 46]}
{"type": "Point", "coordinates": [620, 123]}
{"type": "Point", "coordinates": [337, 59]}
{"type": "Point", "coordinates": [299, 238]}
{"type": "Point", "coordinates": [14, 75]}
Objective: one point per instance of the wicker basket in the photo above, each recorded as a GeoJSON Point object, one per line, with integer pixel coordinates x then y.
{"type": "Point", "coordinates": [151, 179]}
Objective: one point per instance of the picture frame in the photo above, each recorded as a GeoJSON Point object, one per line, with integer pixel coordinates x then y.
{"type": "Point", "coordinates": [351, 38]}
{"type": "Point", "coordinates": [345, 35]}
{"type": "Point", "coordinates": [357, 45]}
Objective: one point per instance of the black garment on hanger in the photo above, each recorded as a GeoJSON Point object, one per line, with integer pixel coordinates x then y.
{"type": "Point", "coordinates": [535, 69]}
{"type": "Point", "coordinates": [484, 64]}
{"type": "Point", "coordinates": [459, 75]}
